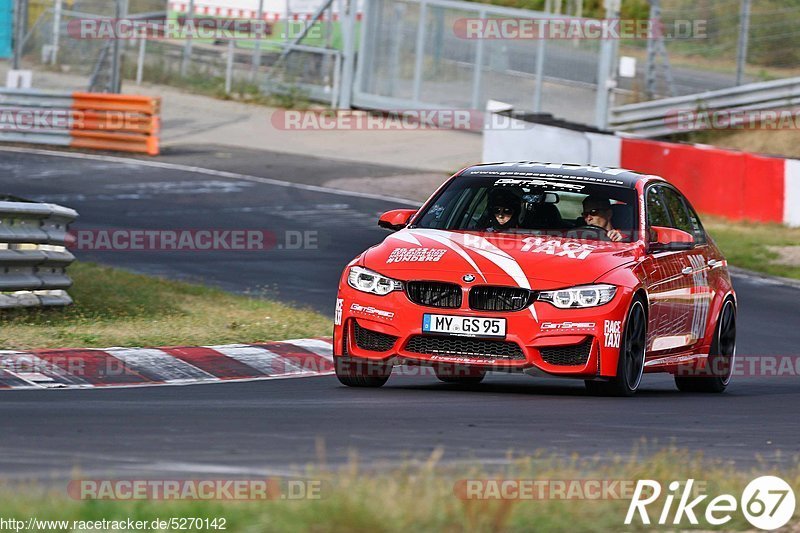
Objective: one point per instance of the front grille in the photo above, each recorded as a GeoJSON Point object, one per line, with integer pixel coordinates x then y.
{"type": "Point", "coordinates": [488, 298]}
{"type": "Point", "coordinates": [567, 355]}
{"type": "Point", "coordinates": [374, 341]}
{"type": "Point", "coordinates": [444, 345]}
{"type": "Point", "coordinates": [434, 294]}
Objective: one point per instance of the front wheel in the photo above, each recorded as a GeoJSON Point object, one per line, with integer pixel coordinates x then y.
{"type": "Point", "coordinates": [362, 372]}
{"type": "Point", "coordinates": [630, 365]}
{"type": "Point", "coordinates": [720, 358]}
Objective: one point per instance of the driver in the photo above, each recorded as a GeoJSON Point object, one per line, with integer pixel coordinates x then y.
{"type": "Point", "coordinates": [504, 207]}
{"type": "Point", "coordinates": [597, 212]}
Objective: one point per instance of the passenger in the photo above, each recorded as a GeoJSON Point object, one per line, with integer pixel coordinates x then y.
{"type": "Point", "coordinates": [503, 211]}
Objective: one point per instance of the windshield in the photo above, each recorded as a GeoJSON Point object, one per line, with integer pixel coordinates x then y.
{"type": "Point", "coordinates": [553, 206]}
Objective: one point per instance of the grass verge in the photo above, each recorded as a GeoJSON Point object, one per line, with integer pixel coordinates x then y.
{"type": "Point", "coordinates": [424, 498]}
{"type": "Point", "coordinates": [755, 246]}
{"type": "Point", "coordinates": [117, 308]}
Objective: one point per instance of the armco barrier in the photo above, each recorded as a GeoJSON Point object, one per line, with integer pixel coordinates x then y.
{"type": "Point", "coordinates": [33, 254]}
{"type": "Point", "coordinates": [735, 185]}
{"type": "Point", "coordinates": [95, 121]}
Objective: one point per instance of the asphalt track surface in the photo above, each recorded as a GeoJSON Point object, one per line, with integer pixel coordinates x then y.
{"type": "Point", "coordinates": [263, 428]}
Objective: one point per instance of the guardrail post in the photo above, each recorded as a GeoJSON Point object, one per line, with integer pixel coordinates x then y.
{"type": "Point", "coordinates": [477, 74]}
{"type": "Point", "coordinates": [419, 50]}
{"type": "Point", "coordinates": [257, 51]}
{"type": "Point", "coordinates": [605, 70]}
{"type": "Point", "coordinates": [348, 65]}
{"type": "Point", "coordinates": [56, 31]}
{"type": "Point", "coordinates": [140, 60]}
{"type": "Point", "coordinates": [187, 46]}
{"type": "Point", "coordinates": [741, 49]}
{"type": "Point", "coordinates": [229, 67]}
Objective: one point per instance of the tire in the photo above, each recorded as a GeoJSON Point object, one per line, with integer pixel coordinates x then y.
{"type": "Point", "coordinates": [630, 365]}
{"type": "Point", "coordinates": [362, 372]}
{"type": "Point", "coordinates": [721, 356]}
{"type": "Point", "coordinates": [459, 375]}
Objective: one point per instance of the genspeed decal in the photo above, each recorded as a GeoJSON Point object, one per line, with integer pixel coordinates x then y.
{"type": "Point", "coordinates": [513, 182]}
{"type": "Point", "coordinates": [337, 315]}
{"type": "Point", "coordinates": [372, 311]}
{"type": "Point", "coordinates": [573, 250]}
{"type": "Point", "coordinates": [613, 333]}
{"type": "Point", "coordinates": [565, 326]}
{"type": "Point", "coordinates": [412, 255]}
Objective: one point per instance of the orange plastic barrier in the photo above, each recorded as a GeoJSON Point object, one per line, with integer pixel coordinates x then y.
{"type": "Point", "coordinates": [116, 122]}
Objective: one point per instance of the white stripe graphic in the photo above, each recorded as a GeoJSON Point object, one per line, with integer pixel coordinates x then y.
{"type": "Point", "coordinates": [261, 359]}
{"type": "Point", "coordinates": [443, 237]}
{"type": "Point", "coordinates": [406, 237]}
{"type": "Point", "coordinates": [165, 366]}
{"type": "Point", "coordinates": [505, 262]}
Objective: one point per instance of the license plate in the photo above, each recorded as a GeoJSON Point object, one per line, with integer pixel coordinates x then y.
{"type": "Point", "coordinates": [465, 326]}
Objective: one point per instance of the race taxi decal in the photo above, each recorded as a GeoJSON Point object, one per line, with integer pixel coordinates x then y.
{"type": "Point", "coordinates": [613, 333]}
{"type": "Point", "coordinates": [371, 311]}
{"type": "Point", "coordinates": [337, 315]}
{"type": "Point", "coordinates": [410, 255]}
{"type": "Point", "coordinates": [573, 250]}
{"type": "Point", "coordinates": [567, 326]}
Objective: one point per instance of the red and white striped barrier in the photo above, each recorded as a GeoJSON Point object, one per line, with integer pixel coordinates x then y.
{"type": "Point", "coordinates": [728, 183]}
{"type": "Point", "coordinates": [177, 365]}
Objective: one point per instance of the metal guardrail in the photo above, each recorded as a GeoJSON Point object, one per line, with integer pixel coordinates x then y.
{"type": "Point", "coordinates": [33, 253]}
{"type": "Point", "coordinates": [95, 121]}
{"type": "Point", "coordinates": [679, 114]}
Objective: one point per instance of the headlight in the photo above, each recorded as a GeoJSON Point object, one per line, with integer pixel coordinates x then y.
{"type": "Point", "coordinates": [579, 297]}
{"type": "Point", "coordinates": [365, 280]}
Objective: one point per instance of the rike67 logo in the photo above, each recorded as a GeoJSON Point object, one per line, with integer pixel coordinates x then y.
{"type": "Point", "coordinates": [768, 502]}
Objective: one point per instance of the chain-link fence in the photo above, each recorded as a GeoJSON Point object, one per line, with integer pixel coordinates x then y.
{"type": "Point", "coordinates": [410, 54]}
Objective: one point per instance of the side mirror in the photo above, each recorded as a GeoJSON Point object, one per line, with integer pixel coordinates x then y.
{"type": "Point", "coordinates": [396, 219]}
{"type": "Point", "coordinates": [663, 239]}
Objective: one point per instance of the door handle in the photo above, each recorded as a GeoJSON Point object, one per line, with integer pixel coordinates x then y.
{"type": "Point", "coordinates": [687, 270]}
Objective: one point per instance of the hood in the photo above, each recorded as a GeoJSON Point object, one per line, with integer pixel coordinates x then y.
{"type": "Point", "coordinates": [504, 259]}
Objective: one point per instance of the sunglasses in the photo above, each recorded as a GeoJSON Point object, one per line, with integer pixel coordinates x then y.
{"type": "Point", "coordinates": [593, 212]}
{"type": "Point", "coordinates": [503, 211]}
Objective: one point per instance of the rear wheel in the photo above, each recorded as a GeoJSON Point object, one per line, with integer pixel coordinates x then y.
{"type": "Point", "coordinates": [630, 365]}
{"type": "Point", "coordinates": [362, 372]}
{"type": "Point", "coordinates": [720, 358]}
{"type": "Point", "coordinates": [459, 374]}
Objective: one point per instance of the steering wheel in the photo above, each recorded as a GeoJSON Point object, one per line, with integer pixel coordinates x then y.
{"type": "Point", "coordinates": [602, 234]}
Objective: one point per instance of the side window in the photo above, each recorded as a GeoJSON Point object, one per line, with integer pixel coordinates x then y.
{"type": "Point", "coordinates": [677, 209]}
{"type": "Point", "coordinates": [656, 208]}
{"type": "Point", "coordinates": [697, 226]}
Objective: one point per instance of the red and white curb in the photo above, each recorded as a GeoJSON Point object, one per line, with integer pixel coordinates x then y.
{"type": "Point", "coordinates": [174, 365]}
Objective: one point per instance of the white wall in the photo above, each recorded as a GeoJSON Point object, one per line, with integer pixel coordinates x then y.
{"type": "Point", "coordinates": [791, 192]}
{"type": "Point", "coordinates": [514, 140]}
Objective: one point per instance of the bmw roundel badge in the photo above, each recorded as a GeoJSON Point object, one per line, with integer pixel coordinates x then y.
{"type": "Point", "coordinates": [469, 278]}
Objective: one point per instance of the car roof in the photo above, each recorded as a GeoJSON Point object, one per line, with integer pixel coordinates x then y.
{"type": "Point", "coordinates": [618, 177]}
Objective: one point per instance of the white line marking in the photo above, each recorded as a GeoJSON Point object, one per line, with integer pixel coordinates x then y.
{"type": "Point", "coordinates": [210, 172]}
